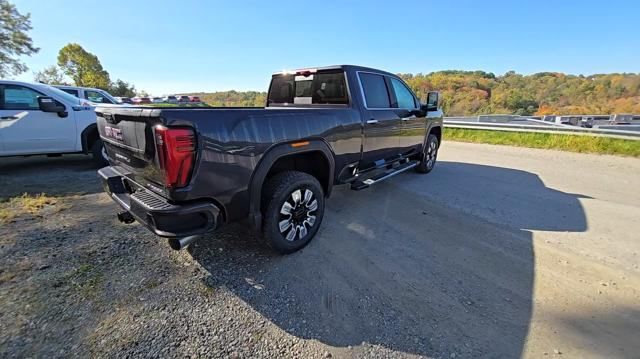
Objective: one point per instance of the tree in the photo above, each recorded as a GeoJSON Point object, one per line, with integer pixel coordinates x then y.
{"type": "Point", "coordinates": [14, 41]}
{"type": "Point", "coordinates": [83, 67]}
{"type": "Point", "coordinates": [122, 89]}
{"type": "Point", "coordinates": [50, 75]}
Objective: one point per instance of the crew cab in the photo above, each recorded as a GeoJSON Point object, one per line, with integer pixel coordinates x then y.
{"type": "Point", "coordinates": [38, 119]}
{"type": "Point", "coordinates": [183, 172]}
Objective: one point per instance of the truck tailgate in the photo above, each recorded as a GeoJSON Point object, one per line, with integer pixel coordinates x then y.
{"type": "Point", "coordinates": [127, 134]}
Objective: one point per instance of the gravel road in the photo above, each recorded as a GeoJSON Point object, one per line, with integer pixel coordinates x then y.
{"type": "Point", "coordinates": [500, 252]}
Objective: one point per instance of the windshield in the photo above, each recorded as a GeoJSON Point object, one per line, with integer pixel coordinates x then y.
{"type": "Point", "coordinates": [59, 93]}
{"type": "Point", "coordinates": [107, 95]}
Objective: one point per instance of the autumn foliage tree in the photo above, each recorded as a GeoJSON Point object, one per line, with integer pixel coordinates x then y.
{"type": "Point", "coordinates": [479, 92]}
{"type": "Point", "coordinates": [83, 67]}
{"type": "Point", "coordinates": [122, 88]}
{"type": "Point", "coordinates": [50, 75]}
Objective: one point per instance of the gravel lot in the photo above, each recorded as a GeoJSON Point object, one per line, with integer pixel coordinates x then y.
{"type": "Point", "coordinates": [500, 252]}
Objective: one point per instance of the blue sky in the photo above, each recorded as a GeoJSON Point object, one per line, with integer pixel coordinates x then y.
{"type": "Point", "coordinates": [179, 46]}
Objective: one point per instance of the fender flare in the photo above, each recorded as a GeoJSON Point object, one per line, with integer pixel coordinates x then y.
{"type": "Point", "coordinates": [84, 137]}
{"type": "Point", "coordinates": [264, 166]}
{"type": "Point", "coordinates": [430, 128]}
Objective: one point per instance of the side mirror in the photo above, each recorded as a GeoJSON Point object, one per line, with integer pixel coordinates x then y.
{"type": "Point", "coordinates": [432, 101]}
{"type": "Point", "coordinates": [48, 104]}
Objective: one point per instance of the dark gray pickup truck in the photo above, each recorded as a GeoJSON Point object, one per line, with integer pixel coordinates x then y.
{"type": "Point", "coordinates": [183, 172]}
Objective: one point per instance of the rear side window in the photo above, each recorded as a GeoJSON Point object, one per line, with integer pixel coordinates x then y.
{"type": "Point", "coordinates": [20, 98]}
{"type": "Point", "coordinates": [403, 95]}
{"type": "Point", "coordinates": [376, 94]}
{"type": "Point", "coordinates": [72, 92]}
{"type": "Point", "coordinates": [321, 88]}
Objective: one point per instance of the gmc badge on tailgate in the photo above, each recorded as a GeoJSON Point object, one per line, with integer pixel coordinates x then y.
{"type": "Point", "coordinates": [109, 117]}
{"type": "Point", "coordinates": [113, 132]}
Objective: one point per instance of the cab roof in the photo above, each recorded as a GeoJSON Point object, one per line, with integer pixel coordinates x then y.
{"type": "Point", "coordinates": [348, 68]}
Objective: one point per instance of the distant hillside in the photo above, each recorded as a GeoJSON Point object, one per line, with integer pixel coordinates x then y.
{"type": "Point", "coordinates": [479, 92]}
{"type": "Point", "coordinates": [232, 98]}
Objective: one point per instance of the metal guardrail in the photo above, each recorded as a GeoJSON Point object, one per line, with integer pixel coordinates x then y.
{"type": "Point", "coordinates": [564, 129]}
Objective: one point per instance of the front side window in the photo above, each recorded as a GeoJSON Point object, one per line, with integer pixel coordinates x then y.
{"type": "Point", "coordinates": [96, 96]}
{"type": "Point", "coordinates": [403, 94]}
{"type": "Point", "coordinates": [321, 88]}
{"type": "Point", "coordinates": [20, 98]}
{"type": "Point", "coordinates": [375, 90]}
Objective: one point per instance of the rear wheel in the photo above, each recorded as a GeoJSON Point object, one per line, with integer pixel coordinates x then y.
{"type": "Point", "coordinates": [429, 156]}
{"type": "Point", "coordinates": [293, 207]}
{"type": "Point", "coordinates": [99, 154]}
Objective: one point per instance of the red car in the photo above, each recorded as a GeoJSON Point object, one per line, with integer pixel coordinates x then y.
{"type": "Point", "coordinates": [194, 99]}
{"type": "Point", "coordinates": [141, 100]}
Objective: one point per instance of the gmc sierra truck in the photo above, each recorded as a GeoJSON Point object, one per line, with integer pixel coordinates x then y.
{"type": "Point", "coordinates": [183, 172]}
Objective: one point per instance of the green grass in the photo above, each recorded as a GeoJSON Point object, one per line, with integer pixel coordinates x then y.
{"type": "Point", "coordinates": [86, 279]}
{"type": "Point", "coordinates": [571, 143]}
{"type": "Point", "coordinates": [16, 206]}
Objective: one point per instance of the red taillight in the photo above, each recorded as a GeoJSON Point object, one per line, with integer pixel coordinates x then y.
{"type": "Point", "coordinates": [176, 154]}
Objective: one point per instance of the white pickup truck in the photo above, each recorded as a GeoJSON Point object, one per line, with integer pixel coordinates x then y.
{"type": "Point", "coordinates": [90, 94]}
{"type": "Point", "coordinates": [38, 119]}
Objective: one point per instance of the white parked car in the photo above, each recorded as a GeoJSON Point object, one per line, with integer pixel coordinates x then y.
{"type": "Point", "coordinates": [170, 99]}
{"type": "Point", "coordinates": [91, 94]}
{"type": "Point", "coordinates": [37, 119]}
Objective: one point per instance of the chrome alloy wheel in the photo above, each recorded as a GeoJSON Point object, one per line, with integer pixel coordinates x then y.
{"type": "Point", "coordinates": [297, 214]}
{"type": "Point", "coordinates": [430, 156]}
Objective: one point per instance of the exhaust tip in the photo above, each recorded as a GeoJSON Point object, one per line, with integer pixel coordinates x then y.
{"type": "Point", "coordinates": [181, 243]}
{"type": "Point", "coordinates": [174, 243]}
{"type": "Point", "coordinates": [126, 217]}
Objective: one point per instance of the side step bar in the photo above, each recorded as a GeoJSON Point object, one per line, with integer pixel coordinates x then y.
{"type": "Point", "coordinates": [362, 184]}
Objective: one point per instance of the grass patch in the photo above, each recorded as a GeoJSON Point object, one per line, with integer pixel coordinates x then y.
{"type": "Point", "coordinates": [571, 143]}
{"type": "Point", "coordinates": [195, 104]}
{"type": "Point", "coordinates": [86, 280]}
{"type": "Point", "coordinates": [152, 283]}
{"type": "Point", "coordinates": [16, 206]}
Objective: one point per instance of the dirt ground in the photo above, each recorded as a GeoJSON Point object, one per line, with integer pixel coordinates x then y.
{"type": "Point", "coordinates": [500, 252]}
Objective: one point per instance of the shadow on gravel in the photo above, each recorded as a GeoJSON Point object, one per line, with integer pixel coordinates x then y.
{"type": "Point", "coordinates": [56, 176]}
{"type": "Point", "coordinates": [427, 265]}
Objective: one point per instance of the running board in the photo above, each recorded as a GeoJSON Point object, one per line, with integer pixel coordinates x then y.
{"type": "Point", "coordinates": [362, 184]}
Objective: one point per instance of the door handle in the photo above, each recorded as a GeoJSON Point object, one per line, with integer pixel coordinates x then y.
{"type": "Point", "coordinates": [372, 121]}
{"type": "Point", "coordinates": [408, 118]}
{"type": "Point", "coordinates": [9, 118]}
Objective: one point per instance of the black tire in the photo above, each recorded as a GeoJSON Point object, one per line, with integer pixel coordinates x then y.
{"type": "Point", "coordinates": [280, 189]}
{"type": "Point", "coordinates": [429, 156]}
{"type": "Point", "coordinates": [99, 154]}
